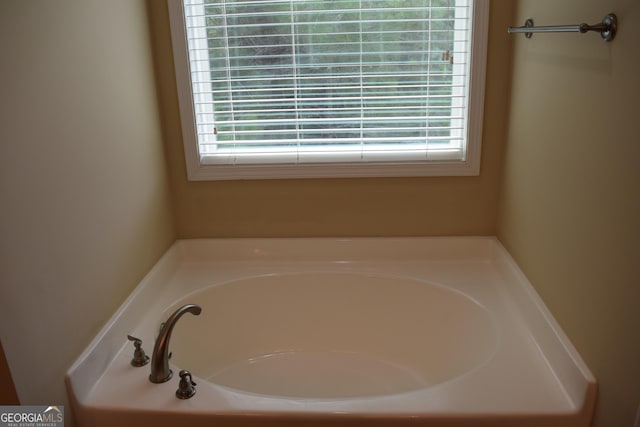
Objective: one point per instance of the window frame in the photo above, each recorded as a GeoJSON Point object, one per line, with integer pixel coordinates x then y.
{"type": "Point", "coordinates": [199, 170]}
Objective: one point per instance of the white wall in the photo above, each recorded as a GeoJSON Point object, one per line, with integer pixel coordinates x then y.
{"type": "Point", "coordinates": [84, 204]}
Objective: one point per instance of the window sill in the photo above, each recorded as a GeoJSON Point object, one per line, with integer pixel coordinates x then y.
{"type": "Point", "coordinates": [207, 172]}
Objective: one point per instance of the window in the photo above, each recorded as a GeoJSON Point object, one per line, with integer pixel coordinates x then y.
{"type": "Point", "coordinates": [319, 88]}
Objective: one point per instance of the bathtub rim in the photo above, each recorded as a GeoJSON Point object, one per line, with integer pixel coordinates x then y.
{"type": "Point", "coordinates": [563, 358]}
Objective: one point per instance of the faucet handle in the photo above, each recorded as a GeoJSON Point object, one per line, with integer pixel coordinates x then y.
{"type": "Point", "coordinates": [139, 357]}
{"type": "Point", "coordinates": [186, 388]}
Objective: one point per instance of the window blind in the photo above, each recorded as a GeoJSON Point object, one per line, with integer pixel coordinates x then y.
{"type": "Point", "coordinates": [312, 81]}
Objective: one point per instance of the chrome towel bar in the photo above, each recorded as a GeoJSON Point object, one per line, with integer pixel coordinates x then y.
{"type": "Point", "coordinates": [607, 28]}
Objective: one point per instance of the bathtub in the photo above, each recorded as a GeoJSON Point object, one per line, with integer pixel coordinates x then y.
{"type": "Point", "coordinates": [369, 331]}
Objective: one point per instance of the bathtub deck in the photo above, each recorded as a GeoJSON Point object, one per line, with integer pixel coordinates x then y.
{"type": "Point", "coordinates": [533, 378]}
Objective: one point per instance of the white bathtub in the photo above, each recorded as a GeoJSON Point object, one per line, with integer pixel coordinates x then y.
{"type": "Point", "coordinates": [415, 331]}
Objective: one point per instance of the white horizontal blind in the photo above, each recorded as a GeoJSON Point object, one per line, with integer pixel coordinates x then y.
{"type": "Point", "coordinates": [312, 81]}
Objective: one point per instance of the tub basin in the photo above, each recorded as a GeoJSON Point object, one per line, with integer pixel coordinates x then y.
{"type": "Point", "coordinates": [333, 335]}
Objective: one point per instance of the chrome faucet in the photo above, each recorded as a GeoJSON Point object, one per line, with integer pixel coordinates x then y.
{"type": "Point", "coordinates": [160, 371]}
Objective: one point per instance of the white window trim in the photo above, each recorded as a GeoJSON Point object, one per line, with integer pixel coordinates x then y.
{"type": "Point", "coordinates": [199, 170]}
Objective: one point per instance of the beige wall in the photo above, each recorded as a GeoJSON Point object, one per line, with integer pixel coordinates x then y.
{"type": "Point", "coordinates": [80, 225]}
{"type": "Point", "coordinates": [85, 208]}
{"type": "Point", "coordinates": [570, 210]}
{"type": "Point", "coordinates": [341, 207]}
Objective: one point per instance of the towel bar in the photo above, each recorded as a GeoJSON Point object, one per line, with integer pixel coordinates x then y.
{"type": "Point", "coordinates": [607, 28]}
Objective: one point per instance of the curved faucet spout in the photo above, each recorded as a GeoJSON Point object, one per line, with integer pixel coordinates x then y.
{"type": "Point", "coordinates": [160, 371]}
